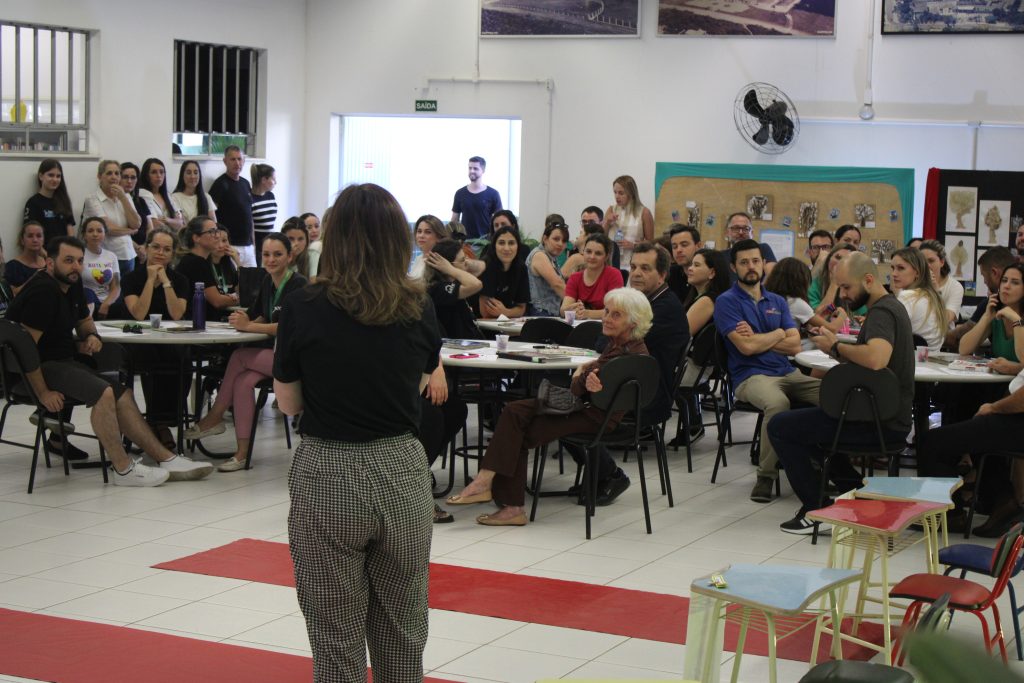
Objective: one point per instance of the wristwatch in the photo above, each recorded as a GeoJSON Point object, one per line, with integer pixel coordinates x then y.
{"type": "Point", "coordinates": [92, 334]}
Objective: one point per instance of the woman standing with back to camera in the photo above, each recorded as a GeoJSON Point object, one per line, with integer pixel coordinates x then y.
{"type": "Point", "coordinates": [354, 351]}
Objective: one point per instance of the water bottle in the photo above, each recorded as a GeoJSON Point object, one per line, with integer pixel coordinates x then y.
{"type": "Point", "coordinates": [619, 235]}
{"type": "Point", "coordinates": [199, 308]}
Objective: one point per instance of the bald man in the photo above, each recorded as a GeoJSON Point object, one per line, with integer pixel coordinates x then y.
{"type": "Point", "coordinates": [885, 341]}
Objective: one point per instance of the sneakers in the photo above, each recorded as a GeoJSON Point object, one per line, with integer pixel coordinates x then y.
{"type": "Point", "coordinates": [181, 468]}
{"type": "Point", "coordinates": [194, 433]}
{"type": "Point", "coordinates": [611, 488]}
{"type": "Point", "coordinates": [73, 451]}
{"type": "Point", "coordinates": [762, 491]}
{"type": "Point", "coordinates": [802, 526]}
{"type": "Point", "coordinates": [231, 465]}
{"type": "Point", "coordinates": [139, 475]}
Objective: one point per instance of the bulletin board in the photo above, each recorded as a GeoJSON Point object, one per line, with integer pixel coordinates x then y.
{"type": "Point", "coordinates": [786, 203]}
{"type": "Point", "coordinates": [977, 210]}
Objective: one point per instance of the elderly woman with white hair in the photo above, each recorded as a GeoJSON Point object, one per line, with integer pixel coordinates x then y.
{"type": "Point", "coordinates": [502, 477]}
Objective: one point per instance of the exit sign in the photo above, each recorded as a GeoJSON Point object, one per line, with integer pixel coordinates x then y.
{"type": "Point", "coordinates": [426, 105]}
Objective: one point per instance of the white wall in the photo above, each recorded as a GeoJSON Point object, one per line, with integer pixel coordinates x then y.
{"type": "Point", "coordinates": [620, 105]}
{"type": "Point", "coordinates": [132, 87]}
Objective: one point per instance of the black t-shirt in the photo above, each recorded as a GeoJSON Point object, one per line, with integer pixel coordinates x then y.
{"type": "Point", "coordinates": [234, 208]}
{"type": "Point", "coordinates": [143, 210]}
{"type": "Point", "coordinates": [42, 306]}
{"type": "Point", "coordinates": [888, 320]}
{"type": "Point", "coordinates": [6, 296]}
{"type": "Point", "coordinates": [44, 210]}
{"type": "Point", "coordinates": [226, 275]}
{"type": "Point", "coordinates": [264, 306]}
{"type": "Point", "coordinates": [511, 287]}
{"type": "Point", "coordinates": [679, 285]}
{"type": "Point", "coordinates": [135, 281]}
{"type": "Point", "coordinates": [198, 269]}
{"type": "Point", "coordinates": [358, 382]}
{"type": "Point", "coordinates": [454, 316]}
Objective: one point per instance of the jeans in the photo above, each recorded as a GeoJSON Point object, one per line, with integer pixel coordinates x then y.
{"type": "Point", "coordinates": [796, 435]}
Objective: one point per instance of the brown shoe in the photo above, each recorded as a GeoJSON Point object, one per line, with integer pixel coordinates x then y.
{"type": "Point", "coordinates": [494, 520]}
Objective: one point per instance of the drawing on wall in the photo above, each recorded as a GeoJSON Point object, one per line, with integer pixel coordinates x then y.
{"type": "Point", "coordinates": [961, 207]}
{"type": "Point", "coordinates": [993, 223]}
{"type": "Point", "coordinates": [559, 18]}
{"type": "Point", "coordinates": [746, 18]}
{"type": "Point", "coordinates": [864, 214]}
{"type": "Point", "coordinates": [960, 256]}
{"type": "Point", "coordinates": [882, 250]}
{"type": "Point", "coordinates": [808, 217]}
{"type": "Point", "coordinates": [693, 214]}
{"type": "Point", "coordinates": [925, 16]}
{"type": "Point", "coordinates": [759, 206]}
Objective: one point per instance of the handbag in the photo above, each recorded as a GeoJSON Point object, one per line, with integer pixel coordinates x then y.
{"type": "Point", "coordinates": [555, 400]}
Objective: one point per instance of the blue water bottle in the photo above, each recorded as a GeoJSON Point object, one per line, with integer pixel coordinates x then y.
{"type": "Point", "coordinates": [199, 308]}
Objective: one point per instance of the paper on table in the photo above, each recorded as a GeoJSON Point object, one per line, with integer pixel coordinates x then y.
{"type": "Point", "coordinates": [502, 318]}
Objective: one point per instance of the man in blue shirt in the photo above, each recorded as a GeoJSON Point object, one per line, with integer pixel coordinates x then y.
{"type": "Point", "coordinates": [760, 335]}
{"type": "Point", "coordinates": [475, 203]}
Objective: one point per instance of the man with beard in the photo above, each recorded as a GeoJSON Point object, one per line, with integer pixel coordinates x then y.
{"type": "Point", "coordinates": [885, 341]}
{"type": "Point", "coordinates": [49, 307]}
{"type": "Point", "coordinates": [760, 335]}
{"type": "Point", "coordinates": [475, 203]}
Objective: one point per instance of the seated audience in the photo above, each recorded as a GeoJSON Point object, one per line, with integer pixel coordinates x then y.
{"type": "Point", "coordinates": [819, 243]}
{"type": "Point", "coordinates": [130, 185]}
{"type": "Point", "coordinates": [990, 269]}
{"type": "Point", "coordinates": [506, 283]}
{"type": "Point", "coordinates": [740, 227]}
{"type": "Point", "coordinates": [30, 260]}
{"type": "Point", "coordinates": [189, 194]}
{"type": "Point", "coordinates": [100, 274]}
{"type": "Point", "coordinates": [573, 261]}
{"type": "Point", "coordinates": [791, 279]}
{"type": "Point", "coordinates": [315, 248]}
{"type": "Point", "coordinates": [6, 294]}
{"type": "Point", "coordinates": [915, 243]}
{"type": "Point", "coordinates": [502, 476]}
{"type": "Point", "coordinates": [849, 234]}
{"type": "Point", "coordinates": [684, 241]}
{"type": "Point", "coordinates": [547, 287]}
{"type": "Point", "coordinates": [158, 289]}
{"type": "Point", "coordinates": [449, 284]}
{"type": "Point", "coordinates": [917, 293]}
{"type": "Point", "coordinates": [226, 262]}
{"type": "Point", "coordinates": [50, 307]}
{"type": "Point", "coordinates": [295, 230]}
{"type": "Point", "coordinates": [586, 289]}
{"type": "Point", "coordinates": [823, 296]}
{"type": "Point", "coordinates": [760, 335]}
{"type": "Point", "coordinates": [153, 190]}
{"type": "Point", "coordinates": [117, 209]}
{"type": "Point", "coordinates": [429, 231]}
{"type": "Point", "coordinates": [950, 291]}
{"type": "Point", "coordinates": [201, 240]}
{"type": "Point", "coordinates": [708, 276]}
{"type": "Point", "coordinates": [1001, 324]}
{"type": "Point", "coordinates": [885, 340]}
{"type": "Point", "coordinates": [252, 364]}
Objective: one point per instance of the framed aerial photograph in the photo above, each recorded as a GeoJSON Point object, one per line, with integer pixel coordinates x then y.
{"type": "Point", "coordinates": [560, 18]}
{"type": "Point", "coordinates": [929, 16]}
{"type": "Point", "coordinates": [806, 19]}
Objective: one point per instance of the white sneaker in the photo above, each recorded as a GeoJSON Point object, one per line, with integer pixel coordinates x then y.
{"type": "Point", "coordinates": [140, 475]}
{"type": "Point", "coordinates": [182, 468]}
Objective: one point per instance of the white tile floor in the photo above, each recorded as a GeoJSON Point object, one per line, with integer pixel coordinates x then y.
{"type": "Point", "coordinates": [80, 549]}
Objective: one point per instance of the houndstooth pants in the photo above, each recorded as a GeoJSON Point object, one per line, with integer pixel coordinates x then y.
{"type": "Point", "coordinates": [359, 531]}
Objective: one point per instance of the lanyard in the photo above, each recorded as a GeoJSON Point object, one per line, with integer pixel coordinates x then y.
{"type": "Point", "coordinates": [218, 275]}
{"type": "Point", "coordinates": [277, 295]}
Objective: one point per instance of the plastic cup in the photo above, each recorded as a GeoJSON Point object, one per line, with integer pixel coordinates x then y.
{"type": "Point", "coordinates": [922, 353]}
{"type": "Point", "coordinates": [502, 342]}
{"type": "Point", "coordinates": [570, 316]}
{"type": "Point", "coordinates": [154, 320]}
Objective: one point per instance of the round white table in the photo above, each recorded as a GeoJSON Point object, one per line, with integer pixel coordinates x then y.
{"type": "Point", "coordinates": [923, 372]}
{"type": "Point", "coordinates": [487, 358]}
{"type": "Point", "coordinates": [514, 326]}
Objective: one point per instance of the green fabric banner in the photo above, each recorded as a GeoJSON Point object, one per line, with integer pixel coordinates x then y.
{"type": "Point", "coordinates": [900, 178]}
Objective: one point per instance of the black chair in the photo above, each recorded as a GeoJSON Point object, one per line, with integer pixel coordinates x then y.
{"type": "Point", "coordinates": [730, 405]}
{"type": "Point", "coordinates": [630, 384]}
{"type": "Point", "coordinates": [700, 356]}
{"type": "Point", "coordinates": [585, 335]}
{"type": "Point", "coordinates": [19, 356]}
{"type": "Point", "coordinates": [859, 398]}
{"type": "Point", "coordinates": [265, 386]}
{"type": "Point", "coordinates": [249, 281]}
{"type": "Point", "coordinates": [545, 331]}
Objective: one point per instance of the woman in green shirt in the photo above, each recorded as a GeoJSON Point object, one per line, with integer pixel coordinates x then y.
{"type": "Point", "coordinates": [1001, 323]}
{"type": "Point", "coordinates": [823, 296]}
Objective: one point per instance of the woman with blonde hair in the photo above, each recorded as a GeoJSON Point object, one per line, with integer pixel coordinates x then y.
{"type": "Point", "coordinates": [429, 231]}
{"type": "Point", "coordinates": [918, 295]}
{"type": "Point", "coordinates": [951, 291]}
{"type": "Point", "coordinates": [628, 221]}
{"type": "Point", "coordinates": [354, 351]}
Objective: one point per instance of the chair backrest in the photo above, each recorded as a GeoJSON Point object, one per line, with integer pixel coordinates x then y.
{"type": "Point", "coordinates": [545, 331]}
{"type": "Point", "coordinates": [18, 355]}
{"type": "Point", "coordinates": [1004, 548]}
{"type": "Point", "coordinates": [585, 335]}
{"type": "Point", "coordinates": [681, 363]}
{"type": "Point", "coordinates": [621, 378]}
{"type": "Point", "coordinates": [860, 392]}
{"type": "Point", "coordinates": [249, 281]}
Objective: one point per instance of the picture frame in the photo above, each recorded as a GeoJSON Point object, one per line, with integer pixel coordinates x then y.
{"type": "Point", "coordinates": [691, 18]}
{"type": "Point", "coordinates": [559, 19]}
{"type": "Point", "coordinates": [912, 17]}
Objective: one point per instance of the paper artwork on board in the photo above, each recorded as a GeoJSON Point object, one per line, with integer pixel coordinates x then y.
{"type": "Point", "coordinates": [960, 256]}
{"type": "Point", "coordinates": [993, 223]}
{"type": "Point", "coordinates": [759, 206]}
{"type": "Point", "coordinates": [961, 209]}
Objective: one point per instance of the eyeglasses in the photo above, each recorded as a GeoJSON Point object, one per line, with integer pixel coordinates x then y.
{"type": "Point", "coordinates": [208, 232]}
{"type": "Point", "coordinates": [741, 228]}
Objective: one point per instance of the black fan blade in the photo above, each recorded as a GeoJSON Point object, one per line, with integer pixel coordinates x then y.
{"type": "Point", "coordinates": [761, 136]}
{"type": "Point", "coordinates": [776, 110]}
{"type": "Point", "coordinates": [752, 106]}
{"type": "Point", "coordinates": [782, 131]}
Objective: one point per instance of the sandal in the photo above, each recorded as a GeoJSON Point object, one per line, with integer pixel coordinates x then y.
{"type": "Point", "coordinates": [442, 516]}
{"type": "Point", "coordinates": [484, 497]}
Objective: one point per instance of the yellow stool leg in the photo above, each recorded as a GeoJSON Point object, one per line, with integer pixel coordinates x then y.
{"type": "Point", "coordinates": [739, 645]}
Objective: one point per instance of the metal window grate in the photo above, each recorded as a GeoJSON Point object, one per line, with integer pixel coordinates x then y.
{"type": "Point", "coordinates": [216, 89]}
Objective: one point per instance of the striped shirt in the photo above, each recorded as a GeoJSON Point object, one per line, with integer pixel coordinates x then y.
{"type": "Point", "coordinates": [264, 212]}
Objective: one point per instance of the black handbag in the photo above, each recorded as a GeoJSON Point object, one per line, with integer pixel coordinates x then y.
{"type": "Point", "coordinates": [555, 400]}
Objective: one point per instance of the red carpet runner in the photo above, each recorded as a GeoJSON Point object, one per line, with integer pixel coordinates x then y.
{"type": "Point", "coordinates": [71, 651]}
{"type": "Point", "coordinates": [568, 604]}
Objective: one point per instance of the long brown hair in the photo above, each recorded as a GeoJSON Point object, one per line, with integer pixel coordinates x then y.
{"type": "Point", "coordinates": [367, 247]}
{"type": "Point", "coordinates": [922, 286]}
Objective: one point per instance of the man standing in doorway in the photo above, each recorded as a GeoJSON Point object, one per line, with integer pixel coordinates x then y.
{"type": "Point", "coordinates": [233, 196]}
{"type": "Point", "coordinates": [475, 203]}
